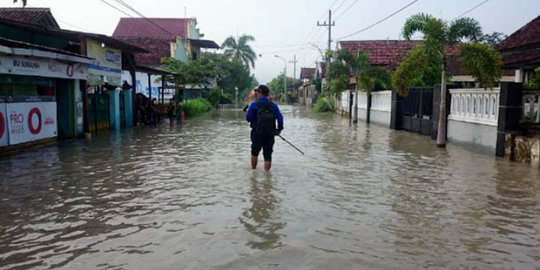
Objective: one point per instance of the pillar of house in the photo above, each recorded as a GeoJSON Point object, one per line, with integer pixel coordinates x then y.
{"type": "Point", "coordinates": [510, 99]}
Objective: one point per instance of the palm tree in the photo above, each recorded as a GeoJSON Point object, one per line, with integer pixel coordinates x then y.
{"type": "Point", "coordinates": [240, 50]}
{"type": "Point", "coordinates": [368, 78]}
{"type": "Point", "coordinates": [479, 60]}
{"type": "Point", "coordinates": [23, 2]}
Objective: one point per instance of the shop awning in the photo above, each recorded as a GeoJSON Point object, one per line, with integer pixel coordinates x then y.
{"type": "Point", "coordinates": [19, 48]}
{"type": "Point", "coordinates": [204, 43]}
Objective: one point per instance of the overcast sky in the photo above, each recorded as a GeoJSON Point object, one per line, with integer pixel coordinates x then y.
{"type": "Point", "coordinates": [278, 24]}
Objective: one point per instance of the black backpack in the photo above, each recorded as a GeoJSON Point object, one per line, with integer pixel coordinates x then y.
{"type": "Point", "coordinates": [266, 119]}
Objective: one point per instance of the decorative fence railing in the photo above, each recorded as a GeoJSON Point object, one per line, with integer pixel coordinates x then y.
{"type": "Point", "coordinates": [475, 105]}
{"type": "Point", "coordinates": [380, 101]}
{"type": "Point", "coordinates": [531, 106]}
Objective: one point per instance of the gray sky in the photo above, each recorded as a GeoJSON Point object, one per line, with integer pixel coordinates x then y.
{"type": "Point", "coordinates": [277, 24]}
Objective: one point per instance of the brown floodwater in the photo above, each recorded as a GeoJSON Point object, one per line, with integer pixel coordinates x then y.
{"type": "Point", "coordinates": [363, 197]}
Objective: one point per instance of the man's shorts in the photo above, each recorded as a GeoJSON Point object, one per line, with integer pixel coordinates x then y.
{"type": "Point", "coordinates": [266, 143]}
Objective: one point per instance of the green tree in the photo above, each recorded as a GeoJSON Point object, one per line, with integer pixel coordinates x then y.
{"type": "Point", "coordinates": [277, 85]}
{"type": "Point", "coordinates": [240, 50]}
{"type": "Point", "coordinates": [340, 71]}
{"type": "Point", "coordinates": [493, 38]}
{"type": "Point", "coordinates": [368, 78]}
{"type": "Point", "coordinates": [195, 72]}
{"type": "Point", "coordinates": [479, 60]}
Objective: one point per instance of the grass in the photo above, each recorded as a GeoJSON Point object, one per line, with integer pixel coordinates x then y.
{"type": "Point", "coordinates": [323, 105]}
{"type": "Point", "coordinates": [196, 107]}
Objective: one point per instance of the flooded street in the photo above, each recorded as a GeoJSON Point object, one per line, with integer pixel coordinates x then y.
{"type": "Point", "coordinates": [363, 197]}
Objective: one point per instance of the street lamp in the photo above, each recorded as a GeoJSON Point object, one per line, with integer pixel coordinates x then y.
{"type": "Point", "coordinates": [284, 72]}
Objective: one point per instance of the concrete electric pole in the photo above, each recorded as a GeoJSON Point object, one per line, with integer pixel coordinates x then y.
{"type": "Point", "coordinates": [329, 25]}
{"type": "Point", "coordinates": [294, 62]}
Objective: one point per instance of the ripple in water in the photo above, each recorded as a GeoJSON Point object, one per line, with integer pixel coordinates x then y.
{"type": "Point", "coordinates": [363, 197]}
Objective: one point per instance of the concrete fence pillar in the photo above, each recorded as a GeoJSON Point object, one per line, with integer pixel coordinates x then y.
{"type": "Point", "coordinates": [509, 113]}
{"type": "Point", "coordinates": [437, 108]}
{"type": "Point", "coordinates": [396, 112]}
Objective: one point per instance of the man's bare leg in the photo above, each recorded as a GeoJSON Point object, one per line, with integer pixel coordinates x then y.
{"type": "Point", "coordinates": [254, 162]}
{"type": "Point", "coordinates": [267, 165]}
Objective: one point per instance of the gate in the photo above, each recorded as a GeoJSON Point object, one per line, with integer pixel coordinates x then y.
{"type": "Point", "coordinates": [418, 110]}
{"type": "Point", "coordinates": [98, 112]}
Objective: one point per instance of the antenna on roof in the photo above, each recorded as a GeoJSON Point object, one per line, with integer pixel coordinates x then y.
{"type": "Point", "coordinates": [185, 11]}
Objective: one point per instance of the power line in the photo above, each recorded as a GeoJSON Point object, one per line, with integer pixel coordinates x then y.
{"type": "Point", "coordinates": [121, 2]}
{"type": "Point", "coordinates": [111, 5]}
{"type": "Point", "coordinates": [471, 9]}
{"type": "Point", "coordinates": [340, 5]}
{"type": "Point", "coordinates": [72, 25]}
{"type": "Point", "coordinates": [380, 21]}
{"type": "Point", "coordinates": [347, 9]}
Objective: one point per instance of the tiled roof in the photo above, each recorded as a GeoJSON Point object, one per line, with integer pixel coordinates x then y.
{"type": "Point", "coordinates": [37, 16]}
{"type": "Point", "coordinates": [522, 48]}
{"type": "Point", "coordinates": [170, 28]}
{"type": "Point", "coordinates": [307, 73]}
{"type": "Point", "coordinates": [381, 52]}
{"type": "Point", "coordinates": [158, 48]}
{"type": "Point", "coordinates": [526, 35]}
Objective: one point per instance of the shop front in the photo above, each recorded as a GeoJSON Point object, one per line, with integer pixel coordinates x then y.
{"type": "Point", "coordinates": [39, 95]}
{"type": "Point", "coordinates": [109, 105]}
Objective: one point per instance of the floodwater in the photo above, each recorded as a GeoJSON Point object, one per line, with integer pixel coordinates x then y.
{"type": "Point", "coordinates": [363, 197]}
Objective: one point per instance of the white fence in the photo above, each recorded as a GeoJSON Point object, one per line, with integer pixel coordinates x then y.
{"type": "Point", "coordinates": [475, 106]}
{"type": "Point", "coordinates": [381, 101]}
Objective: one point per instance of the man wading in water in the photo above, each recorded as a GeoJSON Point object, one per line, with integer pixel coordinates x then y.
{"type": "Point", "coordinates": [262, 116]}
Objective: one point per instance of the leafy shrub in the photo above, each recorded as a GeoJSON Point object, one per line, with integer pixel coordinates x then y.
{"type": "Point", "coordinates": [324, 105]}
{"type": "Point", "coordinates": [196, 107]}
{"type": "Point", "coordinates": [214, 97]}
{"type": "Point", "coordinates": [534, 80]}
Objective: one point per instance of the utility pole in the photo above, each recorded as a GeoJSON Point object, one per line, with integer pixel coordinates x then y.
{"type": "Point", "coordinates": [329, 25]}
{"type": "Point", "coordinates": [294, 62]}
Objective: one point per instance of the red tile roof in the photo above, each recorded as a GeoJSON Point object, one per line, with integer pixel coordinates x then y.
{"type": "Point", "coordinates": [522, 48]}
{"type": "Point", "coordinates": [307, 73]}
{"type": "Point", "coordinates": [158, 48]}
{"type": "Point", "coordinates": [526, 35]}
{"type": "Point", "coordinates": [38, 16]}
{"type": "Point", "coordinates": [381, 52]}
{"type": "Point", "coordinates": [170, 28]}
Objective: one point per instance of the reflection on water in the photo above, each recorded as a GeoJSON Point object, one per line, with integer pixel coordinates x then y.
{"type": "Point", "coordinates": [184, 197]}
{"type": "Point", "coordinates": [259, 219]}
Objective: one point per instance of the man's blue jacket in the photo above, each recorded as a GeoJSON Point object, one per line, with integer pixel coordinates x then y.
{"type": "Point", "coordinates": [252, 113]}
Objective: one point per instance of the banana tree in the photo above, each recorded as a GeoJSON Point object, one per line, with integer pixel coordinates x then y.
{"type": "Point", "coordinates": [479, 60]}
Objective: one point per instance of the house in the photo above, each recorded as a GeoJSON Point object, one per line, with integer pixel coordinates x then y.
{"type": "Point", "coordinates": [36, 16]}
{"type": "Point", "coordinates": [383, 53]}
{"type": "Point", "coordinates": [178, 38]}
{"type": "Point", "coordinates": [388, 54]}
{"type": "Point", "coordinates": [307, 91]}
{"type": "Point", "coordinates": [307, 74]}
{"type": "Point", "coordinates": [521, 50]}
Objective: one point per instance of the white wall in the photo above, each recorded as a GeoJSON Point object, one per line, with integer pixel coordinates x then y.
{"type": "Point", "coordinates": [381, 104]}
{"type": "Point", "coordinates": [473, 118]}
